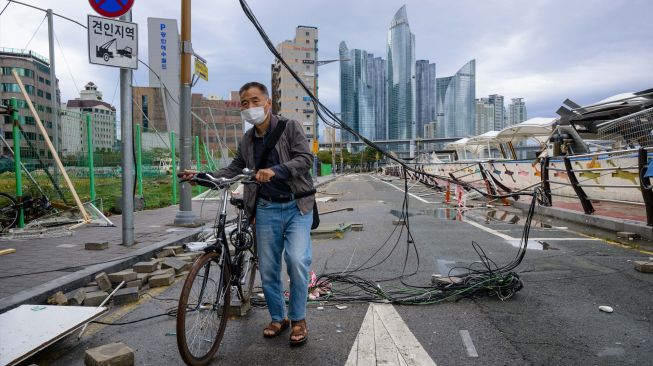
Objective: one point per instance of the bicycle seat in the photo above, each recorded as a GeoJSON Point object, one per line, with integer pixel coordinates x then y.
{"type": "Point", "coordinates": [238, 202]}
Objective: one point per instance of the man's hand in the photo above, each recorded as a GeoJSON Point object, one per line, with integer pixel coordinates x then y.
{"type": "Point", "coordinates": [264, 175]}
{"type": "Point", "coordinates": [188, 174]}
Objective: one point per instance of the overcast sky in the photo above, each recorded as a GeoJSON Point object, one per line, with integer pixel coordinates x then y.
{"type": "Point", "coordinates": [542, 50]}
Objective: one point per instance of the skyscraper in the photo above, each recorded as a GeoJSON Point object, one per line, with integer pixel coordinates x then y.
{"type": "Point", "coordinates": [485, 116]}
{"type": "Point", "coordinates": [356, 92]}
{"type": "Point", "coordinates": [376, 77]}
{"type": "Point", "coordinates": [401, 78]}
{"type": "Point", "coordinates": [457, 102]}
{"type": "Point", "coordinates": [517, 111]}
{"type": "Point", "coordinates": [426, 94]}
{"type": "Point", "coordinates": [288, 98]}
{"type": "Point", "coordinates": [499, 112]}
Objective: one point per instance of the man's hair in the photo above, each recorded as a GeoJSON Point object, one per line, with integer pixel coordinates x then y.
{"type": "Point", "coordinates": [253, 84]}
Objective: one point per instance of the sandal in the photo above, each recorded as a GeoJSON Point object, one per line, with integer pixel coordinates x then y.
{"type": "Point", "coordinates": [298, 329]}
{"type": "Point", "coordinates": [275, 328]}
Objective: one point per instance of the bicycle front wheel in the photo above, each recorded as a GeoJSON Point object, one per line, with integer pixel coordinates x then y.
{"type": "Point", "coordinates": [202, 312]}
{"type": "Point", "coordinates": [8, 212]}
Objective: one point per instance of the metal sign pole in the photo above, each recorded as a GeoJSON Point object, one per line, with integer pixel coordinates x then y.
{"type": "Point", "coordinates": [127, 151]}
{"type": "Point", "coordinates": [53, 89]}
{"type": "Point", "coordinates": [185, 215]}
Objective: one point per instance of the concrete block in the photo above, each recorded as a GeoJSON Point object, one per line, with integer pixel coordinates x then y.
{"type": "Point", "coordinates": [126, 275]}
{"type": "Point", "coordinates": [177, 249]}
{"type": "Point", "coordinates": [145, 267]}
{"type": "Point", "coordinates": [103, 281]}
{"type": "Point", "coordinates": [177, 264]}
{"type": "Point", "coordinates": [125, 296]}
{"type": "Point", "coordinates": [58, 299]}
{"type": "Point", "coordinates": [76, 297]}
{"type": "Point", "coordinates": [161, 280]}
{"type": "Point", "coordinates": [644, 266]}
{"type": "Point", "coordinates": [165, 253]}
{"type": "Point", "coordinates": [95, 298]}
{"type": "Point", "coordinates": [112, 354]}
{"type": "Point", "coordinates": [627, 235]}
{"type": "Point", "coordinates": [96, 246]}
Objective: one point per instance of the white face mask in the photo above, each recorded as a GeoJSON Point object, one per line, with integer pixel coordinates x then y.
{"type": "Point", "coordinates": [255, 115]}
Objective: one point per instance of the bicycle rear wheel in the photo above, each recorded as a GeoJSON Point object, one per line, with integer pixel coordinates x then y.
{"type": "Point", "coordinates": [8, 212]}
{"type": "Point", "coordinates": [202, 312]}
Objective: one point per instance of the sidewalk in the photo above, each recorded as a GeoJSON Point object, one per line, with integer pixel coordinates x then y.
{"type": "Point", "coordinates": [70, 266]}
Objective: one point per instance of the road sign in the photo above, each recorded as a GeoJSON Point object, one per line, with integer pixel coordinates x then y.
{"type": "Point", "coordinates": [111, 8]}
{"type": "Point", "coordinates": [112, 42]}
{"type": "Point", "coordinates": [201, 69]}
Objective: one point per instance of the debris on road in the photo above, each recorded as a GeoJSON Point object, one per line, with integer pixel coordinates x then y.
{"type": "Point", "coordinates": [644, 266]}
{"type": "Point", "coordinates": [341, 307]}
{"type": "Point", "coordinates": [112, 354]}
{"type": "Point", "coordinates": [606, 309]}
{"type": "Point", "coordinates": [96, 246]}
{"type": "Point", "coordinates": [7, 251]}
{"type": "Point", "coordinates": [58, 299]}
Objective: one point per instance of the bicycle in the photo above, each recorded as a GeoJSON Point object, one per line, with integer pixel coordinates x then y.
{"type": "Point", "coordinates": [207, 292]}
{"type": "Point", "coordinates": [33, 207]}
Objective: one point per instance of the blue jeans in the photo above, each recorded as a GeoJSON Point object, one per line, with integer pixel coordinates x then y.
{"type": "Point", "coordinates": [282, 229]}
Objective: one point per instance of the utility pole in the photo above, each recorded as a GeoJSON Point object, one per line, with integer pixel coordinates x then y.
{"type": "Point", "coordinates": [53, 87]}
{"type": "Point", "coordinates": [333, 150]}
{"type": "Point", "coordinates": [185, 215]}
{"type": "Point", "coordinates": [127, 156]}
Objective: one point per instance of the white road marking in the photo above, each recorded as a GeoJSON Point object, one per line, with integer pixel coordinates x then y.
{"type": "Point", "coordinates": [469, 345]}
{"type": "Point", "coordinates": [384, 338]}
{"type": "Point", "coordinates": [510, 238]}
{"type": "Point", "coordinates": [66, 245]}
{"type": "Point", "coordinates": [401, 189]}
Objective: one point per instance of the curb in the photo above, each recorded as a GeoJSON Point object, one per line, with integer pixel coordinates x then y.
{"type": "Point", "coordinates": [40, 293]}
{"type": "Point", "coordinates": [597, 221]}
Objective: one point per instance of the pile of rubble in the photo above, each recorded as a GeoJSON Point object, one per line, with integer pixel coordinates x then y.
{"type": "Point", "coordinates": [168, 263]}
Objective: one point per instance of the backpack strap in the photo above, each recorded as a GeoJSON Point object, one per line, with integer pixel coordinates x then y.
{"type": "Point", "coordinates": [270, 143]}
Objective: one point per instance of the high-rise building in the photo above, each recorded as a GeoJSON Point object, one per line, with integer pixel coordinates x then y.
{"type": "Point", "coordinates": [401, 78]}
{"type": "Point", "coordinates": [73, 122]}
{"type": "Point", "coordinates": [34, 71]}
{"type": "Point", "coordinates": [288, 98]}
{"type": "Point", "coordinates": [485, 116]}
{"type": "Point", "coordinates": [219, 118]}
{"type": "Point", "coordinates": [426, 94]}
{"type": "Point", "coordinates": [457, 102]}
{"type": "Point", "coordinates": [376, 77]}
{"type": "Point", "coordinates": [517, 113]}
{"type": "Point", "coordinates": [357, 93]}
{"type": "Point", "coordinates": [499, 112]}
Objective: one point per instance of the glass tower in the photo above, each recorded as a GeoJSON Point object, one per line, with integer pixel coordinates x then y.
{"type": "Point", "coordinates": [426, 94]}
{"type": "Point", "coordinates": [401, 78]}
{"type": "Point", "coordinates": [457, 116]}
{"type": "Point", "coordinates": [357, 95]}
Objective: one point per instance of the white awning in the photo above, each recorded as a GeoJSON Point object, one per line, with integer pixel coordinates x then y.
{"type": "Point", "coordinates": [538, 128]}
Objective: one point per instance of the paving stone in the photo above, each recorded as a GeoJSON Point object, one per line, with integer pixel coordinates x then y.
{"type": "Point", "coordinates": [76, 297]}
{"type": "Point", "coordinates": [177, 249]}
{"type": "Point", "coordinates": [165, 253]}
{"type": "Point", "coordinates": [135, 283]}
{"type": "Point", "coordinates": [112, 354]}
{"type": "Point", "coordinates": [644, 266]}
{"type": "Point", "coordinates": [58, 299]}
{"type": "Point", "coordinates": [190, 256]}
{"type": "Point", "coordinates": [177, 264]}
{"type": "Point", "coordinates": [96, 246]}
{"type": "Point", "coordinates": [126, 275]}
{"type": "Point", "coordinates": [125, 296]}
{"type": "Point", "coordinates": [143, 277]}
{"type": "Point", "coordinates": [88, 289]}
{"type": "Point", "coordinates": [159, 272]}
{"type": "Point", "coordinates": [161, 280]}
{"type": "Point", "coordinates": [95, 298]}
{"type": "Point", "coordinates": [145, 267]}
{"type": "Point", "coordinates": [103, 281]}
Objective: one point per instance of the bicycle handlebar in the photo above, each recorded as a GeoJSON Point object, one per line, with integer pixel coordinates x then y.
{"type": "Point", "coordinates": [207, 180]}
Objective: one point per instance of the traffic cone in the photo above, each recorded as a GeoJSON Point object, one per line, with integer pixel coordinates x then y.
{"type": "Point", "coordinates": [447, 195]}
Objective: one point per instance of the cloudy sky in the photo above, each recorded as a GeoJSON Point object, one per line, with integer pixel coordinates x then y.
{"type": "Point", "coordinates": [542, 50]}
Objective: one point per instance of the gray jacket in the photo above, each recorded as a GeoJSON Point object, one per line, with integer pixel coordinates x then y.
{"type": "Point", "coordinates": [294, 154]}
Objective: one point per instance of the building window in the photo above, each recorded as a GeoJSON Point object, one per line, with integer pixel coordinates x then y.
{"type": "Point", "coordinates": [308, 41]}
{"type": "Point", "coordinates": [308, 55]}
{"type": "Point", "coordinates": [308, 116]}
{"type": "Point", "coordinates": [145, 107]}
{"type": "Point", "coordinates": [47, 82]}
{"type": "Point", "coordinates": [39, 93]}
{"type": "Point", "coordinates": [48, 96]}
{"type": "Point", "coordinates": [14, 88]}
{"type": "Point", "coordinates": [41, 80]}
{"type": "Point", "coordinates": [19, 70]}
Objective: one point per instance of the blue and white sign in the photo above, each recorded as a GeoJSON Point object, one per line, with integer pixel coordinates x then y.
{"type": "Point", "coordinates": [163, 57]}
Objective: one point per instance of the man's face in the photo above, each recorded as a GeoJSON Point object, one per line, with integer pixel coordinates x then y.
{"type": "Point", "coordinates": [254, 97]}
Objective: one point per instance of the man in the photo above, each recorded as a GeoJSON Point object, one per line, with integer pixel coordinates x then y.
{"type": "Point", "coordinates": [283, 209]}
